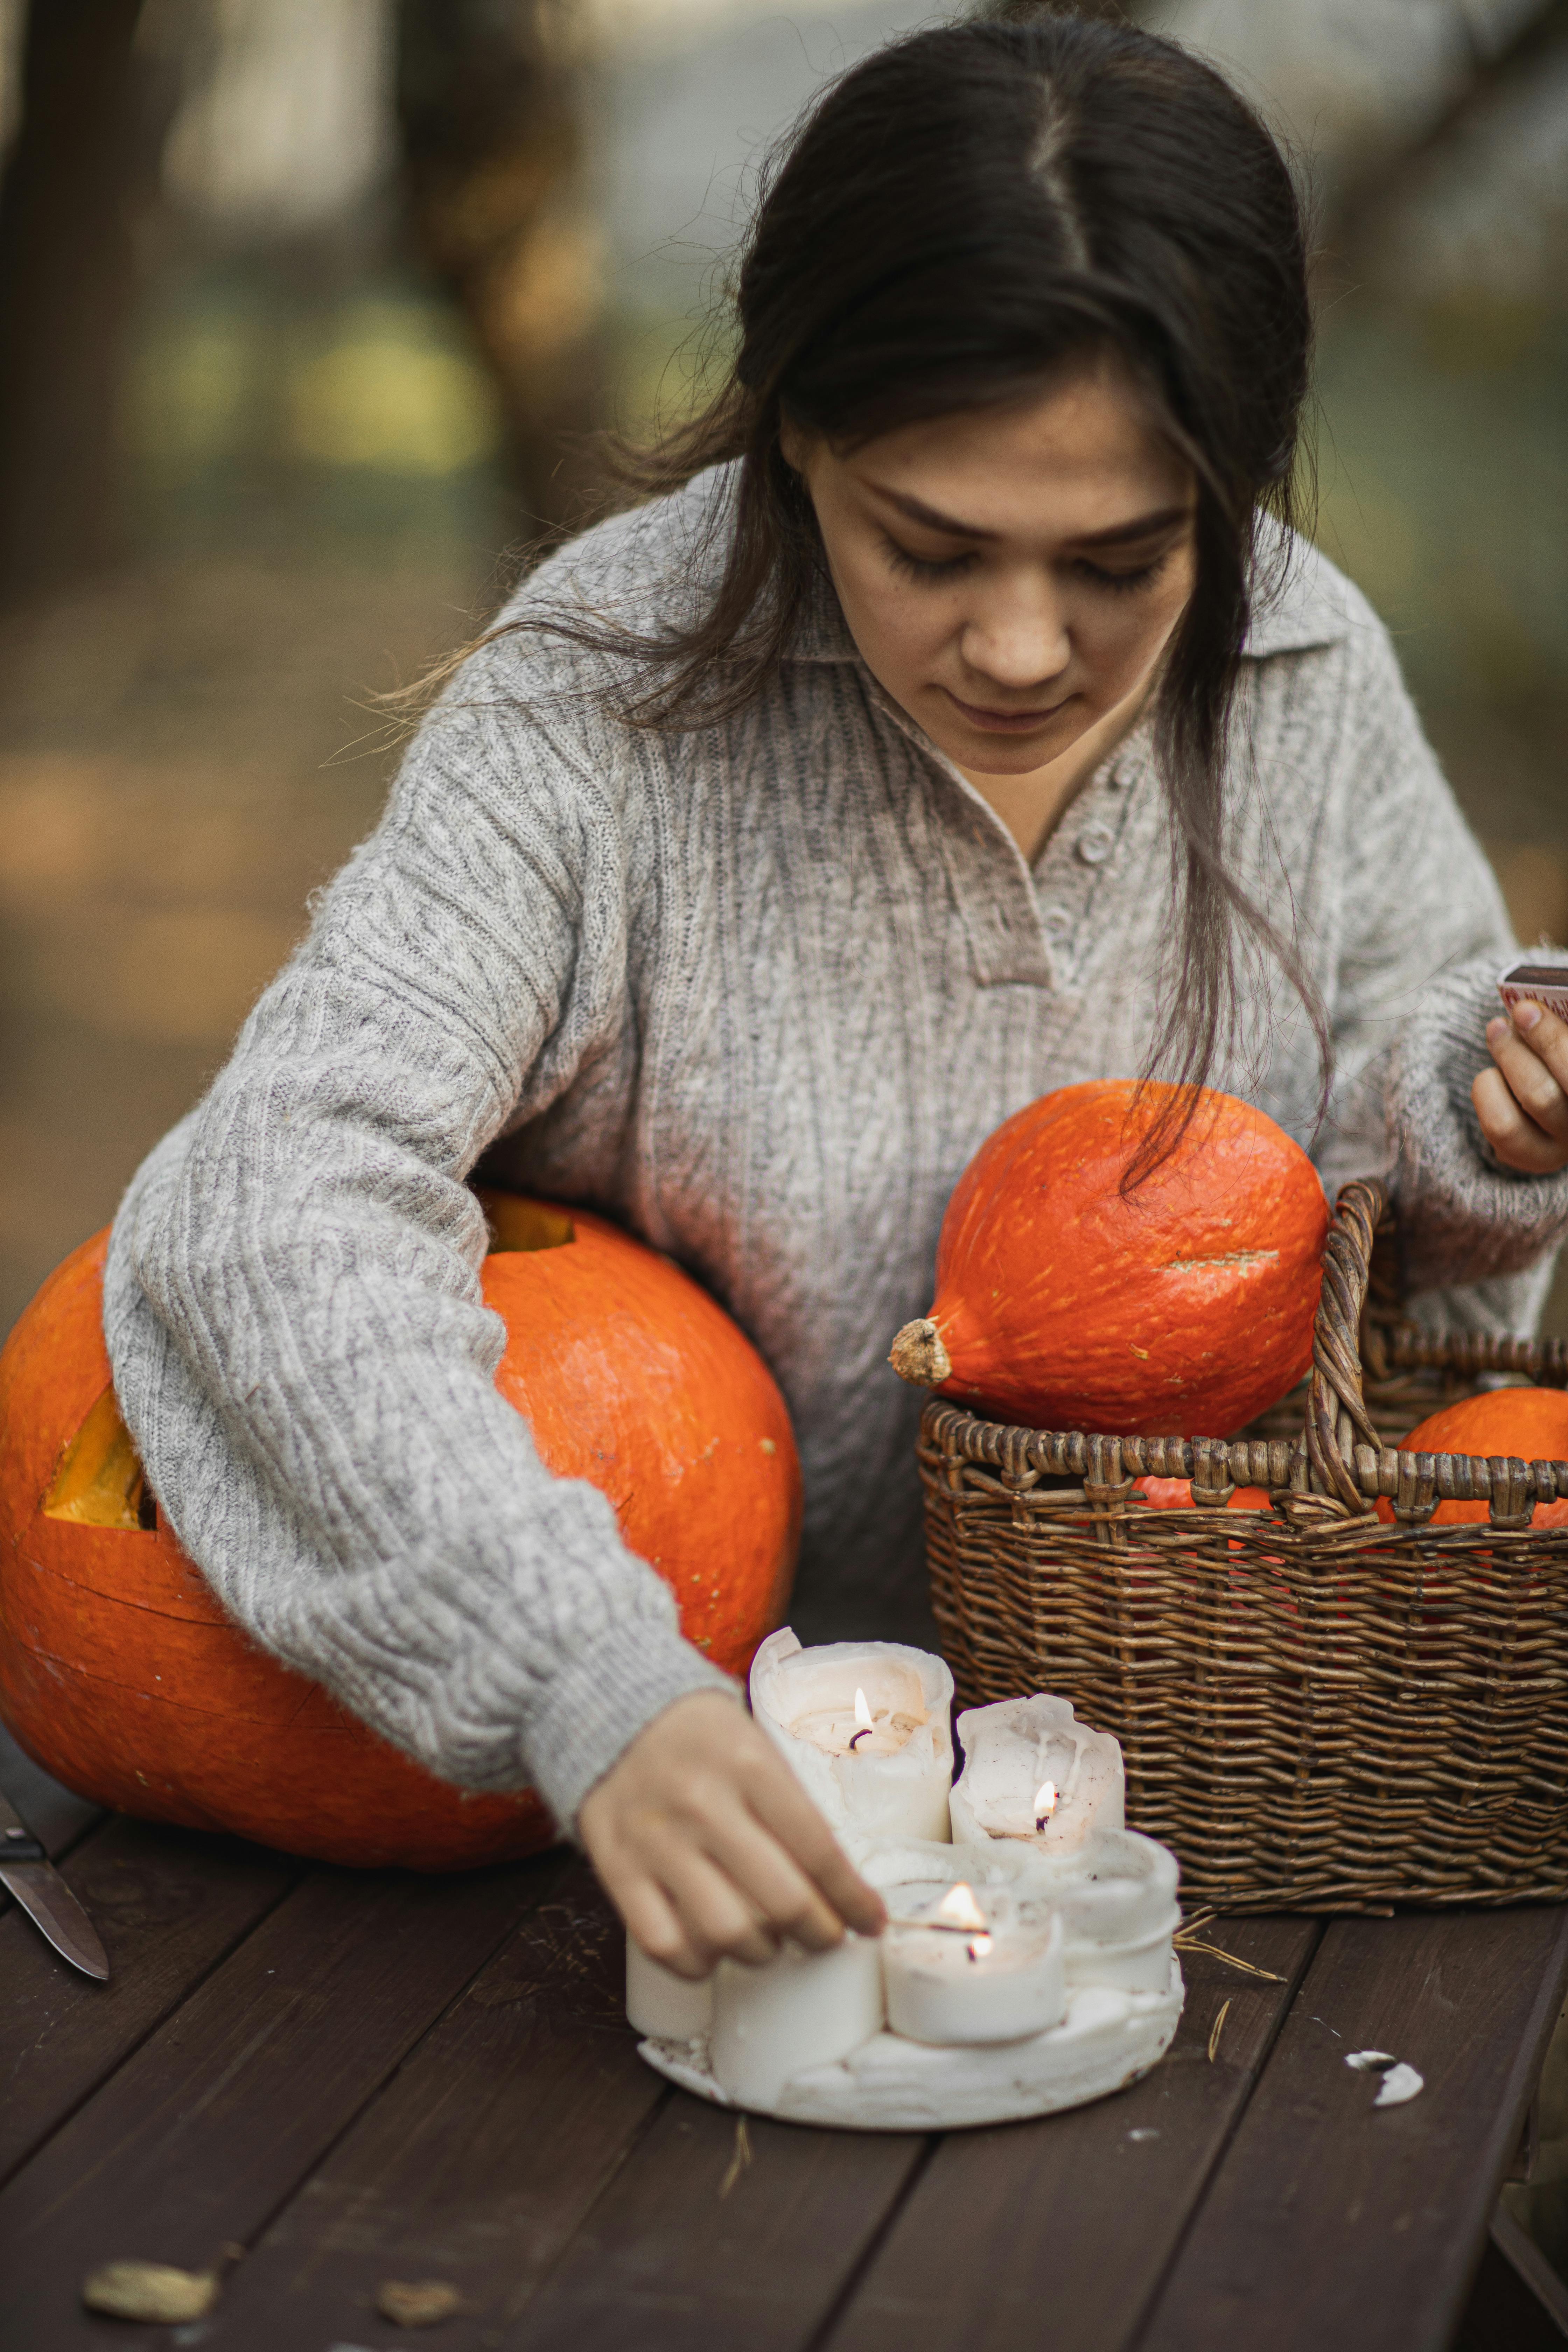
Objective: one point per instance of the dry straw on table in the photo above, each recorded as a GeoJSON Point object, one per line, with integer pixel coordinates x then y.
{"type": "Point", "coordinates": [1318, 1711]}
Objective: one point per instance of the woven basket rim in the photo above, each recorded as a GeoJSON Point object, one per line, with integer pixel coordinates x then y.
{"type": "Point", "coordinates": [1340, 1461]}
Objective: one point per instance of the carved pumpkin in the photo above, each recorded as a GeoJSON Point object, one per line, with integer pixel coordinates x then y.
{"type": "Point", "coordinates": [1527, 1425]}
{"type": "Point", "coordinates": [1179, 1309]}
{"type": "Point", "coordinates": [122, 1673]}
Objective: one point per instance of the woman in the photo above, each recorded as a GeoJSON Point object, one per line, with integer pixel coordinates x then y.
{"type": "Point", "coordinates": [961, 721]}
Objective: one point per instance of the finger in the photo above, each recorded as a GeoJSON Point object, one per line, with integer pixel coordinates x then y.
{"type": "Point", "coordinates": [716, 1823]}
{"type": "Point", "coordinates": [714, 1916]}
{"type": "Point", "coordinates": [1531, 1078]}
{"type": "Point", "coordinates": [1517, 1140]}
{"type": "Point", "coordinates": [782, 1806]}
{"type": "Point", "coordinates": [652, 1922]}
{"type": "Point", "coordinates": [772, 1881]}
{"type": "Point", "coordinates": [1545, 1033]}
{"type": "Point", "coordinates": [647, 1911]}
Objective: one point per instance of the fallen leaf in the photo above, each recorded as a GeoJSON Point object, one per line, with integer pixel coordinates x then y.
{"type": "Point", "coordinates": [154, 2291]}
{"type": "Point", "coordinates": [418, 2302]}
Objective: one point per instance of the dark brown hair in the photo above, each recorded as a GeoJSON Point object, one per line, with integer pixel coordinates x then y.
{"type": "Point", "coordinates": [960, 216]}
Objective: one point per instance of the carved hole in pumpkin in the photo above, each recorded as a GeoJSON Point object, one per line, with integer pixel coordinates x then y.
{"type": "Point", "coordinates": [518, 1225]}
{"type": "Point", "coordinates": [100, 1482]}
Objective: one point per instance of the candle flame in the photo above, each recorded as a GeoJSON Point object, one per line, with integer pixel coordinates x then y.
{"type": "Point", "coordinates": [863, 1713]}
{"type": "Point", "coordinates": [957, 1909]}
{"type": "Point", "coordinates": [978, 1947]}
{"type": "Point", "coordinates": [1045, 1802]}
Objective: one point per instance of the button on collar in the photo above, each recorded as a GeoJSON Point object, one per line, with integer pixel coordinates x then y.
{"type": "Point", "coordinates": [1094, 845]}
{"type": "Point", "coordinates": [1056, 921]}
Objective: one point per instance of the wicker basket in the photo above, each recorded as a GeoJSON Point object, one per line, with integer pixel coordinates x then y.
{"type": "Point", "coordinates": [1319, 1712]}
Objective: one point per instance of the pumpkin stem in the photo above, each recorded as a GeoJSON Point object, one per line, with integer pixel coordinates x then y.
{"type": "Point", "coordinates": [918, 1355]}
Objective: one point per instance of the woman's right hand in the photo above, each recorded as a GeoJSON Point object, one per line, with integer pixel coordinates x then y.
{"type": "Point", "coordinates": [710, 1847]}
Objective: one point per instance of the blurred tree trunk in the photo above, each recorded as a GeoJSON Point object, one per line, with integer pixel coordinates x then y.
{"type": "Point", "coordinates": [81, 169]}
{"type": "Point", "coordinates": [488, 102]}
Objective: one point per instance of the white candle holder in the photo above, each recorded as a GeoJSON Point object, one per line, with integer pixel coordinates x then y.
{"type": "Point", "coordinates": [1074, 1964]}
{"type": "Point", "coordinates": [1117, 1896]}
{"type": "Point", "coordinates": [890, 1777]}
{"type": "Point", "coordinates": [1106, 2041]}
{"type": "Point", "coordinates": [802, 2012]}
{"type": "Point", "coordinates": [660, 2002]}
{"type": "Point", "coordinates": [1033, 1774]}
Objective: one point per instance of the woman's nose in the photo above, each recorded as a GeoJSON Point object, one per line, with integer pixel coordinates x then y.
{"type": "Point", "coordinates": [1017, 637]}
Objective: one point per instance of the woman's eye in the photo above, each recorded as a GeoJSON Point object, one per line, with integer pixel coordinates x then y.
{"type": "Point", "coordinates": [1124, 584]}
{"type": "Point", "coordinates": [917, 567]}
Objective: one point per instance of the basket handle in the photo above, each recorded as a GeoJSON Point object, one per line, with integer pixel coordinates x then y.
{"type": "Point", "coordinates": [1336, 1406]}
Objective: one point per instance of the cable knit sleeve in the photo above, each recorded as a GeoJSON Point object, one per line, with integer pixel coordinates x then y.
{"type": "Point", "coordinates": [1425, 935]}
{"type": "Point", "coordinates": [293, 1307]}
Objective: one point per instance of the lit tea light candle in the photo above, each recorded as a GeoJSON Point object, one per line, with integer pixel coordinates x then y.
{"type": "Point", "coordinates": [1031, 1770]}
{"type": "Point", "coordinates": [865, 1725]}
{"type": "Point", "coordinates": [660, 2003]}
{"type": "Point", "coordinates": [960, 1971]}
{"type": "Point", "coordinates": [800, 2009]}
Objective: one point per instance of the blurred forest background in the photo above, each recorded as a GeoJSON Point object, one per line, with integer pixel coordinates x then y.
{"type": "Point", "coordinates": [303, 300]}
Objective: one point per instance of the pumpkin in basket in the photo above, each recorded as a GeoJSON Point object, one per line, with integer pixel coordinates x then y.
{"type": "Point", "coordinates": [121, 1672]}
{"type": "Point", "coordinates": [1182, 1307]}
{"type": "Point", "coordinates": [1176, 1495]}
{"type": "Point", "coordinates": [1529, 1424]}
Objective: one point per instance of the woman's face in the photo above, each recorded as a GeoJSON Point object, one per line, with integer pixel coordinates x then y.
{"type": "Point", "coordinates": [1010, 575]}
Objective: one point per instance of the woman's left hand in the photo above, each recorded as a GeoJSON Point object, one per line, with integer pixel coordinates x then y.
{"type": "Point", "coordinates": [1522, 1104]}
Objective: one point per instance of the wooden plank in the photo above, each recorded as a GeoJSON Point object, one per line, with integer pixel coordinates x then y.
{"type": "Point", "coordinates": [1330, 2223]}
{"type": "Point", "coordinates": [479, 2158]}
{"type": "Point", "coordinates": [169, 1905]}
{"type": "Point", "coordinates": [214, 2121]}
{"type": "Point", "coordinates": [1058, 2231]}
{"type": "Point", "coordinates": [1518, 2303]}
{"type": "Point", "coordinates": [56, 1814]}
{"type": "Point", "coordinates": [693, 2245]}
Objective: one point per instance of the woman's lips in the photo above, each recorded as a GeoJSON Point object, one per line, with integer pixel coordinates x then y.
{"type": "Point", "coordinates": [1003, 722]}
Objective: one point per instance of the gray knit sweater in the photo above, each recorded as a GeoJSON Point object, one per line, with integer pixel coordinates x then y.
{"type": "Point", "coordinates": [759, 992]}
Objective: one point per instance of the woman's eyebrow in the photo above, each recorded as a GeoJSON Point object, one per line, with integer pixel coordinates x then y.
{"type": "Point", "coordinates": [1141, 526]}
{"type": "Point", "coordinates": [1144, 527]}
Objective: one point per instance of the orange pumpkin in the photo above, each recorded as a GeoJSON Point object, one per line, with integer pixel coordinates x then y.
{"type": "Point", "coordinates": [1528, 1424]}
{"type": "Point", "coordinates": [1176, 1495]}
{"type": "Point", "coordinates": [1181, 1308]}
{"type": "Point", "coordinates": [121, 1672]}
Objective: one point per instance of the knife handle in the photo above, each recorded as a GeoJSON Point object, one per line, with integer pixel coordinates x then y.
{"type": "Point", "coordinates": [17, 1843]}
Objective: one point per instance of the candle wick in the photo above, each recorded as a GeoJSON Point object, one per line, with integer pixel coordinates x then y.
{"type": "Point", "coordinates": [864, 1733]}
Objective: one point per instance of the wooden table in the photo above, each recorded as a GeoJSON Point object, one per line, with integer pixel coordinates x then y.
{"type": "Point", "coordinates": [357, 2078]}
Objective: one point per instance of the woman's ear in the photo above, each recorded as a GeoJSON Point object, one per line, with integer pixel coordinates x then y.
{"type": "Point", "coordinates": [794, 446]}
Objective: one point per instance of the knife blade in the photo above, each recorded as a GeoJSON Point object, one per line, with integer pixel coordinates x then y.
{"type": "Point", "coordinates": [30, 1874]}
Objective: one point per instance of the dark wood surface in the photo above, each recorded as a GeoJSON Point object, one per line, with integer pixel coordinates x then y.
{"type": "Point", "coordinates": [1025, 2194]}
{"type": "Point", "coordinates": [352, 2078]}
